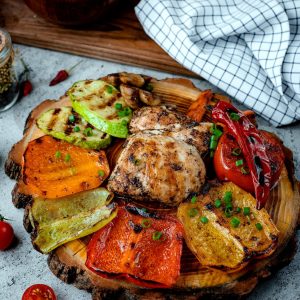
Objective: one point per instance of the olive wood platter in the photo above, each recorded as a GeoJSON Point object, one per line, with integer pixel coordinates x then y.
{"type": "Point", "coordinates": [68, 261]}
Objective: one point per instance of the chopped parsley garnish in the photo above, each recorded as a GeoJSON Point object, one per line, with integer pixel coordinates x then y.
{"type": "Point", "coordinates": [194, 199]}
{"type": "Point", "coordinates": [101, 173]}
{"type": "Point", "coordinates": [67, 157]}
{"type": "Point", "coordinates": [204, 220]}
{"type": "Point", "coordinates": [239, 162]}
{"type": "Point", "coordinates": [146, 223]}
{"type": "Point", "coordinates": [218, 203]}
{"type": "Point", "coordinates": [234, 116]}
{"type": "Point", "coordinates": [156, 235]}
{"type": "Point", "coordinates": [193, 212]}
{"type": "Point", "coordinates": [246, 211]}
{"type": "Point", "coordinates": [72, 118]}
{"type": "Point", "coordinates": [258, 226]}
{"type": "Point", "coordinates": [235, 222]}
{"type": "Point", "coordinates": [58, 154]}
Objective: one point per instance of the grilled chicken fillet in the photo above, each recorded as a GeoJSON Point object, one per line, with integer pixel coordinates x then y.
{"type": "Point", "coordinates": [161, 160]}
{"type": "Point", "coordinates": [159, 118]}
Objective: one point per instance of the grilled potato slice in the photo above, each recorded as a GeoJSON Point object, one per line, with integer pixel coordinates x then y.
{"type": "Point", "coordinates": [227, 238]}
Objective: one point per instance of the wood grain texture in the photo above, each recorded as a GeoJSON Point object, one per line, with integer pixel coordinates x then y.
{"type": "Point", "coordinates": [120, 39]}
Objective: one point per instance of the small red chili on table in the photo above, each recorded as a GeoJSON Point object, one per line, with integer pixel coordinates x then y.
{"type": "Point", "coordinates": [25, 84]}
{"type": "Point", "coordinates": [62, 75]}
{"type": "Point", "coordinates": [26, 87]}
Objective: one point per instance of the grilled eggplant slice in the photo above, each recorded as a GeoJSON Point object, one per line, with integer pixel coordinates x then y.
{"type": "Point", "coordinates": [101, 105]}
{"type": "Point", "coordinates": [65, 124]}
{"type": "Point", "coordinates": [227, 238]}
{"type": "Point", "coordinates": [69, 218]}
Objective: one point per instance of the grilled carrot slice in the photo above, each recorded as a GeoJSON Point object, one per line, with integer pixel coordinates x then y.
{"type": "Point", "coordinates": [54, 168]}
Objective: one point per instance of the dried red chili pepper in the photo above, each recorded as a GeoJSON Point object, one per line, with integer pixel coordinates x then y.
{"type": "Point", "coordinates": [26, 88]}
{"type": "Point", "coordinates": [252, 146]}
{"type": "Point", "coordinates": [62, 75]}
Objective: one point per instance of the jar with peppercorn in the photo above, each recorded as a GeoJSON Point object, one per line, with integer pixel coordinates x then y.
{"type": "Point", "coordinates": [10, 70]}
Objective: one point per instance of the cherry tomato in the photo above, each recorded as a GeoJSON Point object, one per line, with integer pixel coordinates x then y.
{"type": "Point", "coordinates": [6, 234]}
{"type": "Point", "coordinates": [39, 292]}
{"type": "Point", "coordinates": [226, 157]}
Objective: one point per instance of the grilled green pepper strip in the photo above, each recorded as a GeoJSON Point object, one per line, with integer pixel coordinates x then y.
{"type": "Point", "coordinates": [56, 222]}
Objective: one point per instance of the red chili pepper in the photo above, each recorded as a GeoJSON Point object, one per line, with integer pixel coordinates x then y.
{"type": "Point", "coordinates": [26, 88]}
{"type": "Point", "coordinates": [252, 145]}
{"type": "Point", "coordinates": [62, 75]}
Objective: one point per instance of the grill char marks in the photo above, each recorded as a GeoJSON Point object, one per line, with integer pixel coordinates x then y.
{"type": "Point", "coordinates": [53, 120]}
{"type": "Point", "coordinates": [159, 164]}
{"type": "Point", "coordinates": [66, 124]}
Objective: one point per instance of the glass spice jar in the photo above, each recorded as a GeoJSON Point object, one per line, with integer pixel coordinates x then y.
{"type": "Point", "coordinates": [9, 72]}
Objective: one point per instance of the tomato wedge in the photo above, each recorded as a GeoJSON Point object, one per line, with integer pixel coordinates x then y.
{"type": "Point", "coordinates": [228, 154]}
{"type": "Point", "coordinates": [39, 292]}
{"type": "Point", "coordinates": [138, 247]}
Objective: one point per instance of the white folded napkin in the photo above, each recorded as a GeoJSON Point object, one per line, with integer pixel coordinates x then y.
{"type": "Point", "coordinates": [250, 49]}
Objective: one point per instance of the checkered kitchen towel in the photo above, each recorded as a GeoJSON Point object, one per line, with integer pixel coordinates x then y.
{"type": "Point", "coordinates": [250, 49]}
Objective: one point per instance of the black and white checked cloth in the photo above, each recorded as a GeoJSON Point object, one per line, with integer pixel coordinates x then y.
{"type": "Point", "coordinates": [250, 49]}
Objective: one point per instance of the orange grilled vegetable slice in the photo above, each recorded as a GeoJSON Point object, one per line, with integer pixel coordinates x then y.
{"type": "Point", "coordinates": [54, 168]}
{"type": "Point", "coordinates": [198, 108]}
{"type": "Point", "coordinates": [138, 247]}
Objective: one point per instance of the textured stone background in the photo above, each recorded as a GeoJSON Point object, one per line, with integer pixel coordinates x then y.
{"type": "Point", "coordinates": [22, 266]}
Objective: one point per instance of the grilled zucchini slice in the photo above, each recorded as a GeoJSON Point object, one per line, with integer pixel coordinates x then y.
{"type": "Point", "coordinates": [56, 222]}
{"type": "Point", "coordinates": [65, 124]}
{"type": "Point", "coordinates": [102, 105]}
{"type": "Point", "coordinates": [227, 238]}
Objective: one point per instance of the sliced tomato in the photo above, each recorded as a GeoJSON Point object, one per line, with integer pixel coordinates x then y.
{"type": "Point", "coordinates": [39, 292]}
{"type": "Point", "coordinates": [225, 161]}
{"type": "Point", "coordinates": [138, 247]}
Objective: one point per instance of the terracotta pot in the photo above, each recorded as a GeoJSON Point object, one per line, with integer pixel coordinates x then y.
{"type": "Point", "coordinates": [73, 12]}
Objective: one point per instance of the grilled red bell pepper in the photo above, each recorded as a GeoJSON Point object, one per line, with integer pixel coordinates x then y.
{"type": "Point", "coordinates": [138, 247]}
{"type": "Point", "coordinates": [251, 143]}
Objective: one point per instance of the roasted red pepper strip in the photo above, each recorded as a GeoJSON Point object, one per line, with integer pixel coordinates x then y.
{"type": "Point", "coordinates": [138, 247]}
{"type": "Point", "coordinates": [252, 146]}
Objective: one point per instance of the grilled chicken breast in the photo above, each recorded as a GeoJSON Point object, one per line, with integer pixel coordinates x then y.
{"type": "Point", "coordinates": [159, 118]}
{"type": "Point", "coordinates": [158, 168]}
{"type": "Point", "coordinates": [161, 161]}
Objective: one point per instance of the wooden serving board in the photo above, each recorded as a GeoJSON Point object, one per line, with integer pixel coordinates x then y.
{"type": "Point", "coordinates": [68, 261]}
{"type": "Point", "coordinates": [121, 39]}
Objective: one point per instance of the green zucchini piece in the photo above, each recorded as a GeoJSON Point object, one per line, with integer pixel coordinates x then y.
{"type": "Point", "coordinates": [56, 222]}
{"type": "Point", "coordinates": [65, 124]}
{"type": "Point", "coordinates": [102, 105]}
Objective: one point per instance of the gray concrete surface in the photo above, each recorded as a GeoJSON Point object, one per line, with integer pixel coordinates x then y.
{"type": "Point", "coordinates": [22, 266]}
